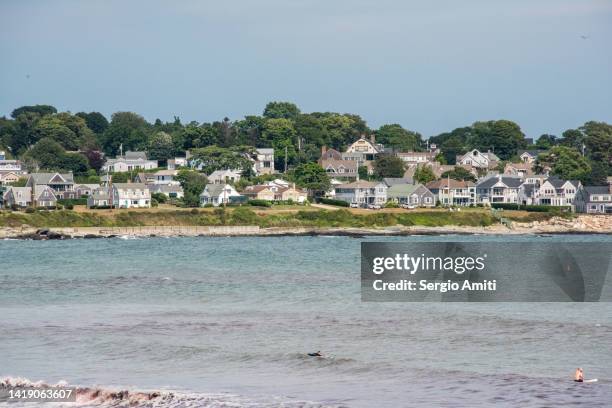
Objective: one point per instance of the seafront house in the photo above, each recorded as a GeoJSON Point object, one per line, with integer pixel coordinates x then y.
{"type": "Point", "coordinates": [594, 199]}
{"type": "Point", "coordinates": [131, 195]}
{"type": "Point", "coordinates": [20, 197]}
{"type": "Point", "coordinates": [392, 181]}
{"type": "Point", "coordinates": [8, 178]}
{"type": "Point", "coordinates": [330, 154]}
{"type": "Point", "coordinates": [131, 161]}
{"type": "Point", "coordinates": [220, 194]}
{"type": "Point", "coordinates": [521, 170]}
{"type": "Point", "coordinates": [294, 194]}
{"type": "Point", "coordinates": [263, 161]}
{"type": "Point", "coordinates": [411, 194]}
{"type": "Point", "coordinates": [145, 178]}
{"type": "Point", "coordinates": [557, 192]}
{"type": "Point", "coordinates": [99, 198]}
{"type": "Point", "coordinates": [62, 184]}
{"type": "Point", "coordinates": [84, 190]}
{"type": "Point", "coordinates": [224, 176]}
{"type": "Point", "coordinates": [169, 190]}
{"type": "Point", "coordinates": [453, 192]}
{"type": "Point", "coordinates": [529, 156]}
{"type": "Point", "coordinates": [362, 193]}
{"type": "Point", "coordinates": [165, 177]}
{"type": "Point", "coordinates": [261, 192]}
{"type": "Point", "coordinates": [478, 160]}
{"type": "Point", "coordinates": [174, 164]}
{"type": "Point", "coordinates": [340, 169]}
{"type": "Point", "coordinates": [417, 157]}
{"type": "Point", "coordinates": [499, 189]}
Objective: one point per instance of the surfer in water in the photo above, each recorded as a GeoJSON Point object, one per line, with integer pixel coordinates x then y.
{"type": "Point", "coordinates": [317, 354]}
{"type": "Point", "coordinates": [579, 375]}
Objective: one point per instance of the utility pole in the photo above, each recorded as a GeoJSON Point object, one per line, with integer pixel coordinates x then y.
{"type": "Point", "coordinates": [285, 159]}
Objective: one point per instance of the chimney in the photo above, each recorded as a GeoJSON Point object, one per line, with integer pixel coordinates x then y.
{"type": "Point", "coordinates": [373, 138]}
{"type": "Point", "coordinates": [323, 150]}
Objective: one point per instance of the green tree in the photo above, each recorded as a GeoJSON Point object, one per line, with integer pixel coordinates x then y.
{"type": "Point", "coordinates": [127, 129]}
{"type": "Point", "coordinates": [399, 138]}
{"type": "Point", "coordinates": [458, 173]}
{"type": "Point", "coordinates": [40, 110]}
{"type": "Point", "coordinates": [363, 173]}
{"type": "Point", "coordinates": [50, 155]}
{"type": "Point", "coordinates": [193, 184]}
{"type": "Point", "coordinates": [504, 137]}
{"type": "Point", "coordinates": [565, 162]}
{"type": "Point", "coordinates": [161, 147]}
{"type": "Point", "coordinates": [389, 166]}
{"type": "Point", "coordinates": [424, 174]}
{"type": "Point", "coordinates": [546, 141]}
{"type": "Point", "coordinates": [95, 121]}
{"type": "Point", "coordinates": [69, 131]}
{"type": "Point", "coordinates": [213, 158]}
{"type": "Point", "coordinates": [312, 177]}
{"type": "Point", "coordinates": [281, 110]}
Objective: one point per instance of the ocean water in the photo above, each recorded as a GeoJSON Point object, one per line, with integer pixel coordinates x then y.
{"type": "Point", "coordinates": [226, 322]}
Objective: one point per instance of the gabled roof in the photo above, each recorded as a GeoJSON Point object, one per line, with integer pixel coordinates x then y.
{"type": "Point", "coordinates": [445, 183]}
{"type": "Point", "coordinates": [52, 178]}
{"type": "Point", "coordinates": [100, 194]}
{"type": "Point", "coordinates": [558, 183]}
{"type": "Point", "coordinates": [597, 190]}
{"type": "Point", "coordinates": [533, 152]}
{"type": "Point", "coordinates": [405, 189]}
{"type": "Point", "coordinates": [40, 189]}
{"type": "Point", "coordinates": [26, 192]}
{"type": "Point", "coordinates": [130, 186]}
{"type": "Point", "coordinates": [335, 164]}
{"type": "Point", "coordinates": [511, 182]}
{"type": "Point", "coordinates": [216, 189]}
{"type": "Point", "coordinates": [135, 155]}
{"type": "Point", "coordinates": [165, 188]}
{"type": "Point", "coordinates": [359, 184]}
{"type": "Point", "coordinates": [392, 181]}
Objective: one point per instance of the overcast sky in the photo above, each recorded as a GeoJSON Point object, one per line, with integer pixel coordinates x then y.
{"type": "Point", "coordinates": [430, 65]}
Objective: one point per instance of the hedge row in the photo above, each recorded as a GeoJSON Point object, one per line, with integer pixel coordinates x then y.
{"type": "Point", "coordinates": [530, 208]}
{"type": "Point", "coordinates": [331, 201]}
{"type": "Point", "coordinates": [73, 201]}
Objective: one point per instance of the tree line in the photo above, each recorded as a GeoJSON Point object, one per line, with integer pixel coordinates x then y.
{"type": "Point", "coordinates": [45, 138]}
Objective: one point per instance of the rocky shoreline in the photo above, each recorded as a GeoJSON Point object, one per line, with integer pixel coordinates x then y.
{"type": "Point", "coordinates": [583, 224]}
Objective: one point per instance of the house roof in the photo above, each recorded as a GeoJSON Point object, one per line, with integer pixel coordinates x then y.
{"type": "Point", "coordinates": [392, 181]}
{"type": "Point", "coordinates": [217, 189]}
{"type": "Point", "coordinates": [265, 150]}
{"type": "Point", "coordinates": [26, 192]}
{"type": "Point", "coordinates": [348, 164]}
{"type": "Point", "coordinates": [135, 155]}
{"type": "Point", "coordinates": [223, 173]}
{"type": "Point", "coordinates": [444, 183]}
{"type": "Point", "coordinates": [404, 189]}
{"type": "Point", "coordinates": [46, 178]}
{"type": "Point", "coordinates": [512, 182]}
{"type": "Point", "coordinates": [165, 188]}
{"type": "Point", "coordinates": [533, 152]}
{"type": "Point", "coordinates": [256, 189]}
{"type": "Point", "coordinates": [558, 183]}
{"type": "Point", "coordinates": [130, 186]}
{"type": "Point", "coordinates": [100, 194]}
{"type": "Point", "coordinates": [90, 186]}
{"type": "Point", "coordinates": [359, 184]}
{"type": "Point", "coordinates": [597, 190]}
{"type": "Point", "coordinates": [166, 173]}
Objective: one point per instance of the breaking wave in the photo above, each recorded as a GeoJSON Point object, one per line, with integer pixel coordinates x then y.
{"type": "Point", "coordinates": [119, 398]}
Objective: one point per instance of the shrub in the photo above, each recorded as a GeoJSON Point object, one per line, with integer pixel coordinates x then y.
{"type": "Point", "coordinates": [73, 201]}
{"type": "Point", "coordinates": [194, 211]}
{"type": "Point", "coordinates": [530, 208]}
{"type": "Point", "coordinates": [391, 204]}
{"type": "Point", "coordinates": [154, 202]}
{"type": "Point", "coordinates": [68, 206]}
{"type": "Point", "coordinates": [30, 210]}
{"type": "Point", "coordinates": [159, 197]}
{"type": "Point", "coordinates": [331, 201]}
{"type": "Point", "coordinates": [244, 216]}
{"type": "Point", "coordinates": [260, 203]}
